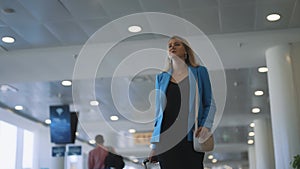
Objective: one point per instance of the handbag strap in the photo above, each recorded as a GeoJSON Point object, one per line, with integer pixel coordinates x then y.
{"type": "Point", "coordinates": [196, 107]}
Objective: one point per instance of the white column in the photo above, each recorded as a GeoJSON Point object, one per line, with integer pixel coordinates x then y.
{"type": "Point", "coordinates": [263, 144]}
{"type": "Point", "coordinates": [252, 157]}
{"type": "Point", "coordinates": [283, 103]}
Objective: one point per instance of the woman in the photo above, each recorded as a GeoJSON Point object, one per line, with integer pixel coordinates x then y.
{"type": "Point", "coordinates": [172, 138]}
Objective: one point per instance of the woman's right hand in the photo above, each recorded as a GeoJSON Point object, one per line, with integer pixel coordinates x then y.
{"type": "Point", "coordinates": [152, 157]}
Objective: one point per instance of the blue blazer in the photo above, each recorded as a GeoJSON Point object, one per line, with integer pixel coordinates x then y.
{"type": "Point", "coordinates": [206, 109]}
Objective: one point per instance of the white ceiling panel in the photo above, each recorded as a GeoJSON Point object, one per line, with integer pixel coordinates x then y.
{"type": "Point", "coordinates": [87, 9]}
{"type": "Point", "coordinates": [237, 17]}
{"type": "Point", "coordinates": [195, 4]}
{"type": "Point", "coordinates": [199, 18]}
{"type": "Point", "coordinates": [90, 26]}
{"type": "Point", "coordinates": [47, 11]}
{"type": "Point", "coordinates": [235, 2]}
{"type": "Point", "coordinates": [166, 6]}
{"type": "Point", "coordinates": [68, 32]}
{"type": "Point", "coordinates": [295, 18]}
{"type": "Point", "coordinates": [116, 8]}
{"type": "Point", "coordinates": [2, 23]}
{"type": "Point", "coordinates": [36, 34]}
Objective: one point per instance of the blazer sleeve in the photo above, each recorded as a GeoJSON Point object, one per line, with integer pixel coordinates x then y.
{"type": "Point", "coordinates": [209, 106]}
{"type": "Point", "coordinates": [157, 106]}
{"type": "Point", "coordinates": [157, 97]}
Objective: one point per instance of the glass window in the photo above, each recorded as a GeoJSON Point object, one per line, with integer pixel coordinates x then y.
{"type": "Point", "coordinates": [28, 143]}
{"type": "Point", "coordinates": [8, 145]}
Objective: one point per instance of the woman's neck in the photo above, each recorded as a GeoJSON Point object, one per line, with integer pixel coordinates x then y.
{"type": "Point", "coordinates": [179, 66]}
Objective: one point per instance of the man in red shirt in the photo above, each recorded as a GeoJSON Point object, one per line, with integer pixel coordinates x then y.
{"type": "Point", "coordinates": [98, 154]}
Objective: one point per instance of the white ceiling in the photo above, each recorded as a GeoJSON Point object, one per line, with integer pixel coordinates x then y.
{"type": "Point", "coordinates": [50, 35]}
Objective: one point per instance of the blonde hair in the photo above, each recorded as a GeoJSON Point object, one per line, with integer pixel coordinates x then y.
{"type": "Point", "coordinates": [190, 59]}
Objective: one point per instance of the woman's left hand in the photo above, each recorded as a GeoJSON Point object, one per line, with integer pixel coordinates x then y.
{"type": "Point", "coordinates": [202, 132]}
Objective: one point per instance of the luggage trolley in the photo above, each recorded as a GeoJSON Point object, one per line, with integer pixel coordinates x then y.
{"type": "Point", "coordinates": [149, 165]}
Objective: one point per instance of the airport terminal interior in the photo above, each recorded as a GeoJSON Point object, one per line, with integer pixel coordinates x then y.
{"type": "Point", "coordinates": [73, 69]}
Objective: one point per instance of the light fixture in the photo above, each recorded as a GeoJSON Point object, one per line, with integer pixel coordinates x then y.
{"type": "Point", "coordinates": [214, 160]}
{"type": "Point", "coordinates": [210, 157]}
{"type": "Point", "coordinates": [262, 69]}
{"type": "Point", "coordinates": [48, 121]}
{"type": "Point", "coordinates": [250, 141]}
{"type": "Point", "coordinates": [134, 29]}
{"type": "Point", "coordinates": [252, 124]}
{"type": "Point", "coordinates": [135, 160]}
{"type": "Point", "coordinates": [94, 103]}
{"type": "Point", "coordinates": [66, 83]}
{"type": "Point", "coordinates": [114, 118]}
{"type": "Point", "coordinates": [76, 133]}
{"type": "Point", "coordinates": [273, 17]}
{"type": "Point", "coordinates": [255, 110]}
{"type": "Point", "coordinates": [259, 93]}
{"type": "Point", "coordinates": [8, 10]}
{"type": "Point", "coordinates": [92, 142]}
{"type": "Point", "coordinates": [251, 134]}
{"type": "Point", "coordinates": [131, 130]}
{"type": "Point", "coordinates": [8, 39]}
{"type": "Point", "coordinates": [6, 88]}
{"type": "Point", "coordinates": [19, 107]}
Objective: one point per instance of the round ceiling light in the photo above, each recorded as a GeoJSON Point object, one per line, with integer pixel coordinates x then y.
{"type": "Point", "coordinates": [114, 118]}
{"type": "Point", "coordinates": [134, 29]}
{"type": "Point", "coordinates": [48, 121]}
{"type": "Point", "coordinates": [255, 110]}
{"type": "Point", "coordinates": [66, 83]}
{"type": "Point", "coordinates": [273, 17]}
{"type": "Point", "coordinates": [259, 93]}
{"type": "Point", "coordinates": [250, 141]}
{"type": "Point", "coordinates": [8, 39]}
{"type": "Point", "coordinates": [94, 103]}
{"type": "Point", "coordinates": [263, 69]}
{"type": "Point", "coordinates": [19, 107]}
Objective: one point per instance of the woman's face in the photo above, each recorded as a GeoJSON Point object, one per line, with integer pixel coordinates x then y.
{"type": "Point", "coordinates": [176, 49]}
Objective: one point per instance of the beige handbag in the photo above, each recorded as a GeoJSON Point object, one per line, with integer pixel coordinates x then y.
{"type": "Point", "coordinates": [201, 144]}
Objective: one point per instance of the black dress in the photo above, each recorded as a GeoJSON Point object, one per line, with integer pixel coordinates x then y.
{"type": "Point", "coordinates": [176, 151]}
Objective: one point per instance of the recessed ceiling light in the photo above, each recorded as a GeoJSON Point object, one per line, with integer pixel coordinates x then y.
{"type": "Point", "coordinates": [255, 110]}
{"type": "Point", "coordinates": [210, 157]}
{"type": "Point", "coordinates": [259, 93]}
{"type": "Point", "coordinates": [66, 83]}
{"type": "Point", "coordinates": [252, 124]}
{"type": "Point", "coordinates": [250, 141]}
{"type": "Point", "coordinates": [94, 103]}
{"type": "Point", "coordinates": [273, 17]}
{"type": "Point", "coordinates": [19, 107]}
{"type": "Point", "coordinates": [214, 160]}
{"type": "Point", "coordinates": [251, 133]}
{"type": "Point", "coordinates": [92, 142]}
{"type": "Point", "coordinates": [134, 29]}
{"type": "Point", "coordinates": [114, 118]}
{"type": "Point", "coordinates": [262, 69]}
{"type": "Point", "coordinates": [8, 39]}
{"type": "Point", "coordinates": [131, 130]}
{"type": "Point", "coordinates": [48, 121]}
{"type": "Point", "coordinates": [76, 133]}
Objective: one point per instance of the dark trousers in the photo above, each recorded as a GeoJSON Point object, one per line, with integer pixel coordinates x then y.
{"type": "Point", "coordinates": [182, 156]}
